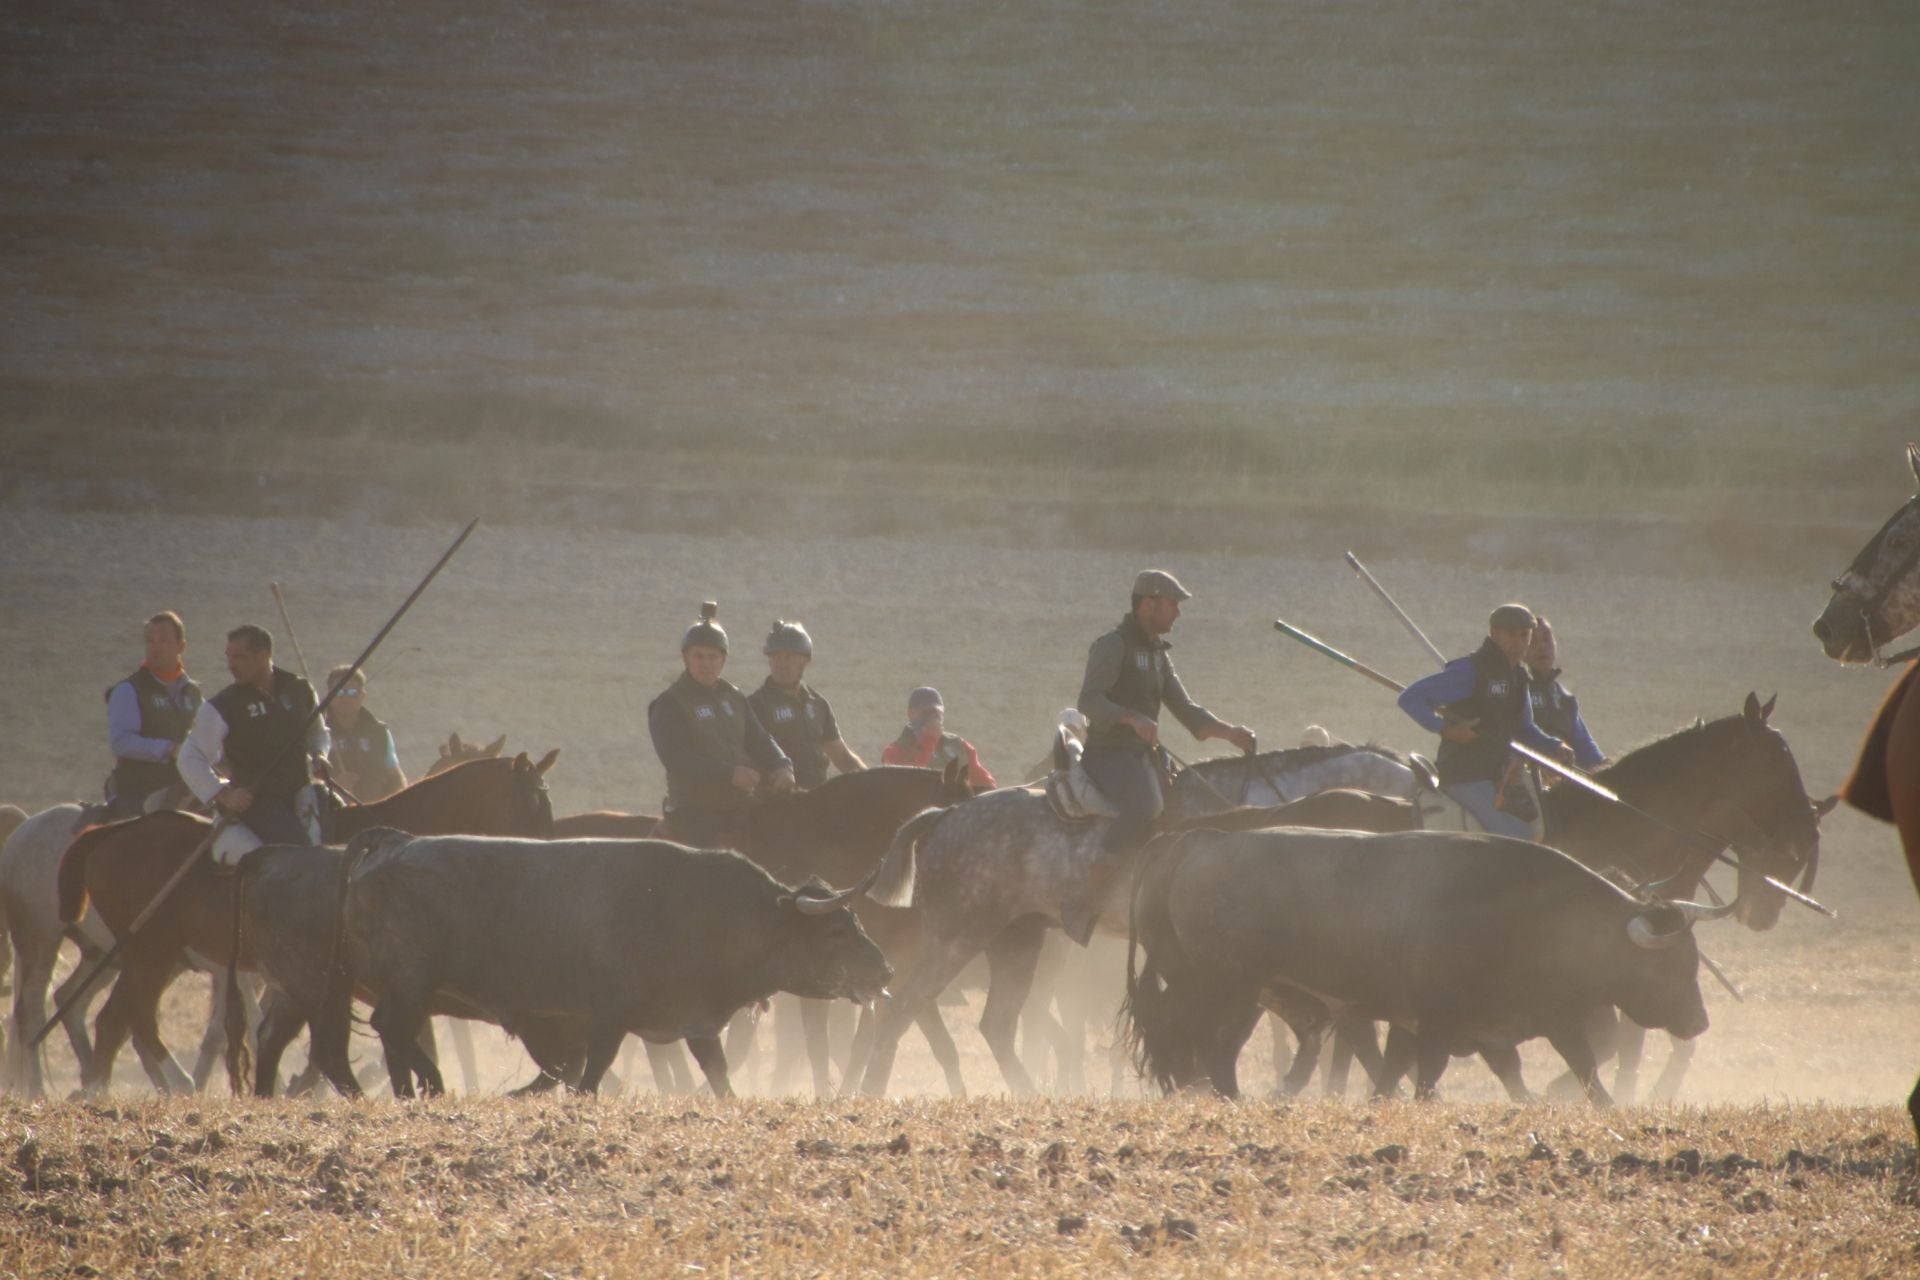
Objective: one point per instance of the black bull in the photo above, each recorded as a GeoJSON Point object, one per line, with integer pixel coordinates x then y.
{"type": "Point", "coordinates": [570, 945]}
{"type": "Point", "coordinates": [1467, 940]}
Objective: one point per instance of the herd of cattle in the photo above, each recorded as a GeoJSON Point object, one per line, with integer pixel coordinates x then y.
{"type": "Point", "coordinates": [1459, 943]}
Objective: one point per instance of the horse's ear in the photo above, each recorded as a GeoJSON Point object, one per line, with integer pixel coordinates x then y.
{"type": "Point", "coordinates": [1821, 808]}
{"type": "Point", "coordinates": [521, 763]}
{"type": "Point", "coordinates": [1752, 710]}
{"type": "Point", "coordinates": [1913, 460]}
{"type": "Point", "coordinates": [495, 747]}
{"type": "Point", "coordinates": [546, 762]}
{"type": "Point", "coordinates": [1766, 710]}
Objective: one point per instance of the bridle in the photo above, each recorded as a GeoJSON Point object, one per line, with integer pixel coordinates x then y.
{"type": "Point", "coordinates": [1870, 603]}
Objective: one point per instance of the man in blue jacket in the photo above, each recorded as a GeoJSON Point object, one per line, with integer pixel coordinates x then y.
{"type": "Point", "coordinates": [1478, 704]}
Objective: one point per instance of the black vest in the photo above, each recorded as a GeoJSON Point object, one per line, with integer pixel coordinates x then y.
{"type": "Point", "coordinates": [1140, 688]}
{"type": "Point", "coordinates": [718, 720]}
{"type": "Point", "coordinates": [1554, 709]}
{"type": "Point", "coordinates": [259, 731]}
{"type": "Point", "coordinates": [160, 717]}
{"type": "Point", "coordinates": [798, 722]}
{"type": "Point", "coordinates": [1498, 702]}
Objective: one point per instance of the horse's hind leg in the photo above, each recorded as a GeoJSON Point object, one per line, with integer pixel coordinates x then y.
{"type": "Point", "coordinates": [1012, 958]}
{"type": "Point", "coordinates": [25, 1060]}
{"type": "Point", "coordinates": [940, 1043]}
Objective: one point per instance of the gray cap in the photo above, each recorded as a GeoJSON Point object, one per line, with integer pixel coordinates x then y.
{"type": "Point", "coordinates": [788, 637]}
{"type": "Point", "coordinates": [1158, 582]}
{"type": "Point", "coordinates": [705, 632]}
{"type": "Point", "coordinates": [1511, 617]}
{"type": "Point", "coordinates": [923, 698]}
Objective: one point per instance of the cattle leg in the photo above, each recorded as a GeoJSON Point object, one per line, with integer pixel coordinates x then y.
{"type": "Point", "coordinates": [1668, 1085]}
{"type": "Point", "coordinates": [1220, 1048]}
{"type": "Point", "coordinates": [603, 1046]}
{"type": "Point", "coordinates": [1913, 1112]}
{"type": "Point", "coordinates": [742, 1038]}
{"type": "Point", "coordinates": [713, 1061]}
{"type": "Point", "coordinates": [939, 962]}
{"type": "Point", "coordinates": [1011, 960]}
{"type": "Point", "coordinates": [1571, 1044]}
{"type": "Point", "coordinates": [1504, 1061]}
{"type": "Point", "coordinates": [398, 1023]}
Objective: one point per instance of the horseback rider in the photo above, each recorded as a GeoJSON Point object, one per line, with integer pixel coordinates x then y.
{"type": "Point", "coordinates": [1129, 679]}
{"type": "Point", "coordinates": [926, 743]}
{"type": "Point", "coordinates": [148, 715]}
{"type": "Point", "coordinates": [799, 719]}
{"type": "Point", "coordinates": [363, 759]}
{"type": "Point", "coordinates": [1555, 709]}
{"type": "Point", "coordinates": [714, 748]}
{"type": "Point", "coordinates": [1478, 704]}
{"type": "Point", "coordinates": [250, 727]}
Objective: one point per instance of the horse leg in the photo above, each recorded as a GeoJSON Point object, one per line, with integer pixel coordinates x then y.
{"type": "Point", "coordinates": [281, 1018]}
{"type": "Point", "coordinates": [1630, 1047]}
{"type": "Point", "coordinates": [669, 1065]}
{"type": "Point", "coordinates": [939, 962]}
{"type": "Point", "coordinates": [26, 1070]}
{"type": "Point", "coordinates": [1011, 959]}
{"type": "Point", "coordinates": [816, 1033]}
{"type": "Point", "coordinates": [1913, 1111]}
{"type": "Point", "coordinates": [940, 1042]}
{"type": "Point", "coordinates": [1667, 1087]}
{"type": "Point", "coordinates": [462, 1036]}
{"type": "Point", "coordinates": [132, 1010]}
{"type": "Point", "coordinates": [74, 1023]}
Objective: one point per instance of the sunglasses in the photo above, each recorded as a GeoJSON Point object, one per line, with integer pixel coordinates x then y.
{"type": "Point", "coordinates": [349, 691]}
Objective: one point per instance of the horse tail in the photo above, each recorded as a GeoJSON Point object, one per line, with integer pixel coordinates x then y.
{"type": "Point", "coordinates": [1153, 1020]}
{"type": "Point", "coordinates": [893, 885]}
{"type": "Point", "coordinates": [239, 1051]}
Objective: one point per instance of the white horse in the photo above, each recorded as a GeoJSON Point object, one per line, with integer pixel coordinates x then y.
{"type": "Point", "coordinates": [30, 909]}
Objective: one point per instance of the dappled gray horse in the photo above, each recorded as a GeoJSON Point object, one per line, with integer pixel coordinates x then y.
{"type": "Point", "coordinates": [1878, 598]}
{"type": "Point", "coordinates": [990, 874]}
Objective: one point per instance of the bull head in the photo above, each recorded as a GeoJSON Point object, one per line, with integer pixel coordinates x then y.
{"type": "Point", "coordinates": [809, 902]}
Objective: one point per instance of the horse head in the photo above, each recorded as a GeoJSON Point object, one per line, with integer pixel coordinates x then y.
{"type": "Point", "coordinates": [457, 751]}
{"type": "Point", "coordinates": [531, 806]}
{"type": "Point", "coordinates": [1767, 817]}
{"type": "Point", "coordinates": [1878, 598]}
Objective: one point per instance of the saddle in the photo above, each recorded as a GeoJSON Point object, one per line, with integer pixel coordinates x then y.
{"type": "Point", "coordinates": [1071, 791]}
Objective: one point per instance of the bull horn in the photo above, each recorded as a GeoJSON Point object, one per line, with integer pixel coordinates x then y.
{"type": "Point", "coordinates": [812, 906]}
{"type": "Point", "coordinates": [1643, 934]}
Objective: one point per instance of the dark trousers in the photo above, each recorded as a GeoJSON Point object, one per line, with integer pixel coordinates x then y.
{"type": "Point", "coordinates": [1130, 780]}
{"type": "Point", "coordinates": [275, 822]}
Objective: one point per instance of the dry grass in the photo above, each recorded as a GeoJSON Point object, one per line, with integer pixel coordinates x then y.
{"type": "Point", "coordinates": [1184, 1187]}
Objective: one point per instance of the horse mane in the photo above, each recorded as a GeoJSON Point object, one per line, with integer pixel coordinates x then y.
{"type": "Point", "coordinates": [1301, 757]}
{"type": "Point", "coordinates": [1657, 755]}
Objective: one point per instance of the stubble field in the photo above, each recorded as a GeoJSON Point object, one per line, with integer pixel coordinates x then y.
{"type": "Point", "coordinates": [559, 639]}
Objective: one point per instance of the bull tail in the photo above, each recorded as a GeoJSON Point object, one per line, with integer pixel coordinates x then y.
{"type": "Point", "coordinates": [331, 1025]}
{"type": "Point", "coordinates": [1153, 1023]}
{"type": "Point", "coordinates": [893, 886]}
{"type": "Point", "coordinates": [239, 1051]}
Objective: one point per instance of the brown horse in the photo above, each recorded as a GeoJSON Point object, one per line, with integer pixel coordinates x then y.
{"type": "Point", "coordinates": [457, 751]}
{"type": "Point", "coordinates": [1876, 601]}
{"type": "Point", "coordinates": [121, 866]}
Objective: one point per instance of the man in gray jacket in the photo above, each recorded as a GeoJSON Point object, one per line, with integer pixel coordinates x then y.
{"type": "Point", "coordinates": [1129, 679]}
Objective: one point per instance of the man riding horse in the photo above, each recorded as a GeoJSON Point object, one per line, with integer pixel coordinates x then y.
{"type": "Point", "coordinates": [713, 747]}
{"type": "Point", "coordinates": [148, 715]}
{"type": "Point", "coordinates": [1478, 704]}
{"type": "Point", "coordinates": [1129, 678]}
{"type": "Point", "coordinates": [797, 717]}
{"type": "Point", "coordinates": [249, 728]}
